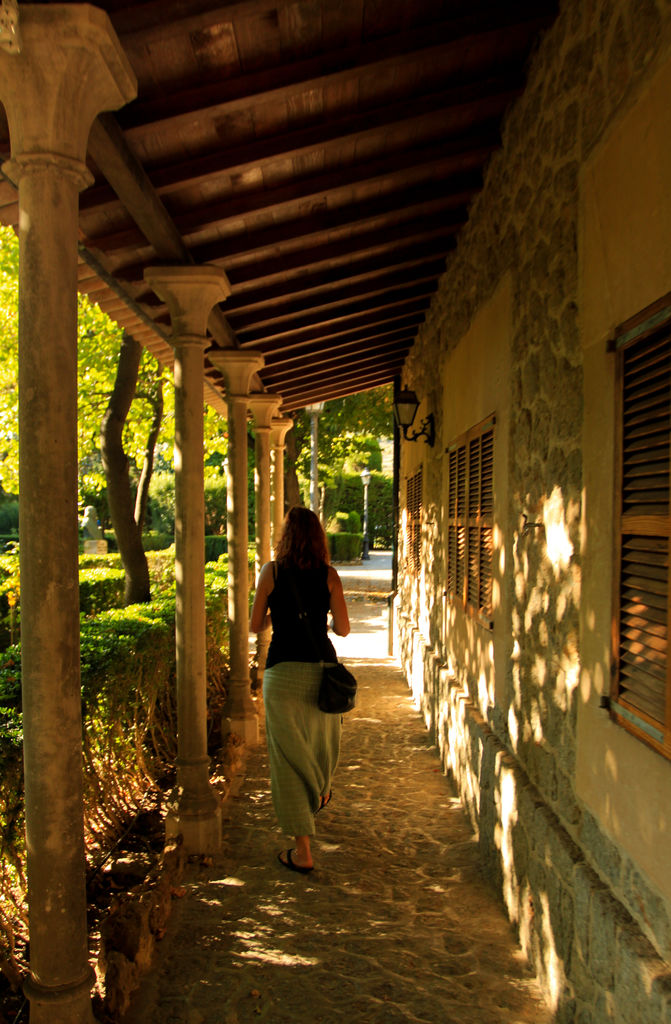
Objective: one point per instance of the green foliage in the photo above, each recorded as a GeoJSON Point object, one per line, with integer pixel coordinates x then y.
{"type": "Point", "coordinates": [214, 547]}
{"type": "Point", "coordinates": [99, 340]}
{"type": "Point", "coordinates": [215, 505]}
{"type": "Point", "coordinates": [154, 541]}
{"type": "Point", "coordinates": [9, 517]}
{"type": "Point", "coordinates": [9, 349]}
{"type": "Point", "coordinates": [100, 588]}
{"type": "Point", "coordinates": [161, 508]}
{"type": "Point", "coordinates": [346, 495]}
{"type": "Point", "coordinates": [128, 711]}
{"type": "Point", "coordinates": [344, 547]}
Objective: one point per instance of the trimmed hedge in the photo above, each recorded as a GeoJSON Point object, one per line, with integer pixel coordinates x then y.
{"type": "Point", "coordinates": [129, 720]}
{"type": "Point", "coordinates": [345, 547]}
{"type": "Point", "coordinates": [346, 496]}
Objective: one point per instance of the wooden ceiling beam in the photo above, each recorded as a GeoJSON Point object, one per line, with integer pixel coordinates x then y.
{"type": "Point", "coordinates": [339, 313]}
{"type": "Point", "coordinates": [397, 282]}
{"type": "Point", "coordinates": [435, 198]}
{"type": "Point", "coordinates": [469, 41]}
{"type": "Point", "coordinates": [366, 342]}
{"type": "Point", "coordinates": [316, 287]}
{"type": "Point", "coordinates": [287, 349]}
{"type": "Point", "coordinates": [162, 19]}
{"type": "Point", "coordinates": [425, 163]}
{"type": "Point", "coordinates": [380, 356]}
{"type": "Point", "coordinates": [346, 374]}
{"type": "Point", "coordinates": [476, 102]}
{"type": "Point", "coordinates": [294, 402]}
{"type": "Point", "coordinates": [127, 177]}
{"type": "Point", "coordinates": [288, 340]}
{"type": "Point", "coordinates": [384, 245]}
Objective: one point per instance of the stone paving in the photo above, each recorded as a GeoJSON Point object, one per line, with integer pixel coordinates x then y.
{"type": "Point", "coordinates": [395, 924]}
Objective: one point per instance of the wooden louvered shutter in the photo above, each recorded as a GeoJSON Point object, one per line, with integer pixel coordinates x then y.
{"type": "Point", "coordinates": [470, 519]}
{"type": "Point", "coordinates": [414, 521]}
{"type": "Point", "coordinates": [456, 522]}
{"type": "Point", "coordinates": [640, 698]}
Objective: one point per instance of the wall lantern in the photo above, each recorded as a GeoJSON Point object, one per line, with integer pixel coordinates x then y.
{"type": "Point", "coordinates": [405, 410]}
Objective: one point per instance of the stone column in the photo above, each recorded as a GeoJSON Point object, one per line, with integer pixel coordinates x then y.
{"type": "Point", "coordinates": [190, 292]}
{"type": "Point", "coordinates": [69, 68]}
{"type": "Point", "coordinates": [238, 368]}
{"type": "Point", "coordinates": [262, 408]}
{"type": "Point", "coordinates": [279, 430]}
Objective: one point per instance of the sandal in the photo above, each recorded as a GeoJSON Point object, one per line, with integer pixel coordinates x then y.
{"type": "Point", "coordinates": [291, 865]}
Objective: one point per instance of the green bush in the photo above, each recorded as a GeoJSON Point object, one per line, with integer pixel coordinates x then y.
{"type": "Point", "coordinates": [9, 518]}
{"type": "Point", "coordinates": [100, 587]}
{"type": "Point", "coordinates": [161, 504]}
{"type": "Point", "coordinates": [344, 547]}
{"type": "Point", "coordinates": [129, 719]}
{"type": "Point", "coordinates": [346, 495]}
{"type": "Point", "coordinates": [339, 523]}
{"type": "Point", "coordinates": [214, 547]}
{"type": "Point", "coordinates": [215, 506]}
{"type": "Point", "coordinates": [156, 541]}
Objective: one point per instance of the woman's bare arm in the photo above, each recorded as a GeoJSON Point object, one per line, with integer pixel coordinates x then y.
{"type": "Point", "coordinates": [338, 605]}
{"type": "Point", "coordinates": [260, 616]}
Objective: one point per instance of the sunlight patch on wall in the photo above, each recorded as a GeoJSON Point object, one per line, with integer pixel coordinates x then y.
{"type": "Point", "coordinates": [506, 805]}
{"type": "Point", "coordinates": [551, 962]}
{"type": "Point", "coordinates": [557, 540]}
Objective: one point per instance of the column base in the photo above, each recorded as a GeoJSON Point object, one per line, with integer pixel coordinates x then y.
{"type": "Point", "coordinates": [194, 808]}
{"type": "Point", "coordinates": [63, 1004]}
{"type": "Point", "coordinates": [200, 830]}
{"type": "Point", "coordinates": [244, 725]}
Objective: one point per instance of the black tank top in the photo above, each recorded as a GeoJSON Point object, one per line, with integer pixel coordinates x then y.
{"type": "Point", "coordinates": [289, 641]}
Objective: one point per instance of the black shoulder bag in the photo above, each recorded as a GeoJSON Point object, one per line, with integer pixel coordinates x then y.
{"type": "Point", "coordinates": [337, 690]}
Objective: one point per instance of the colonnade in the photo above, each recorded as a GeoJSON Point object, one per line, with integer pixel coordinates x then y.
{"type": "Point", "coordinates": [71, 67]}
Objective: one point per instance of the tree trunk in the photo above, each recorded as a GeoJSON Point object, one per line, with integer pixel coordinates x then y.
{"type": "Point", "coordinates": [115, 463]}
{"type": "Point", "coordinates": [292, 493]}
{"type": "Point", "coordinates": [156, 402]}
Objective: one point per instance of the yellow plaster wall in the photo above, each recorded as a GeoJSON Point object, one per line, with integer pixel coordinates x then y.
{"type": "Point", "coordinates": [476, 376]}
{"type": "Point", "coordinates": [625, 264]}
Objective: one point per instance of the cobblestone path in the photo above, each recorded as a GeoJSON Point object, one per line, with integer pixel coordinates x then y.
{"type": "Point", "coordinates": [395, 924]}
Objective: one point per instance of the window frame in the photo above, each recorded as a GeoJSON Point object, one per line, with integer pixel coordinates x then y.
{"type": "Point", "coordinates": [638, 530]}
{"type": "Point", "coordinates": [470, 522]}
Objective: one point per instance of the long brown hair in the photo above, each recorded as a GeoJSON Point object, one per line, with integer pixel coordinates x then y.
{"type": "Point", "coordinates": [302, 542]}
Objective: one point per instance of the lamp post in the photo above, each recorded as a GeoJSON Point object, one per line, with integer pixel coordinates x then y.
{"type": "Point", "coordinates": [365, 479]}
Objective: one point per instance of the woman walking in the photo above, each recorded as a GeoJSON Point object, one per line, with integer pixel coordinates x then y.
{"type": "Point", "coordinates": [303, 742]}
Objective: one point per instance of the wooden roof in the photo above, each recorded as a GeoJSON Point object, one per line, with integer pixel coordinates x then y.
{"type": "Point", "coordinates": [323, 152]}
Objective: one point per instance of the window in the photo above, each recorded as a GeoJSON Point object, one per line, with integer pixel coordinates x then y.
{"type": "Point", "coordinates": [470, 516]}
{"type": "Point", "coordinates": [641, 689]}
{"type": "Point", "coordinates": [414, 521]}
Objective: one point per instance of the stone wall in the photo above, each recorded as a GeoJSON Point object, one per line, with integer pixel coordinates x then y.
{"type": "Point", "coordinates": [587, 916]}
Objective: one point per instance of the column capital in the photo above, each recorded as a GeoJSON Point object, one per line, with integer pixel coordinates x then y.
{"type": "Point", "coordinates": [237, 368]}
{"type": "Point", "coordinates": [279, 428]}
{"type": "Point", "coordinates": [70, 67]}
{"type": "Point", "coordinates": [190, 293]}
{"type": "Point", "coordinates": [263, 408]}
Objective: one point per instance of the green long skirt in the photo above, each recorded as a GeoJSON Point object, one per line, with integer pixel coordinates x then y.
{"type": "Point", "coordinates": [303, 744]}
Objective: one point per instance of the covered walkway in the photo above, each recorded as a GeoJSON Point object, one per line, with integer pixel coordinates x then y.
{"type": "Point", "coordinates": [396, 923]}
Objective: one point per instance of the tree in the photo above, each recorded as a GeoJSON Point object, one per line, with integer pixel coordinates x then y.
{"type": "Point", "coordinates": [348, 431]}
{"type": "Point", "coordinates": [120, 387]}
